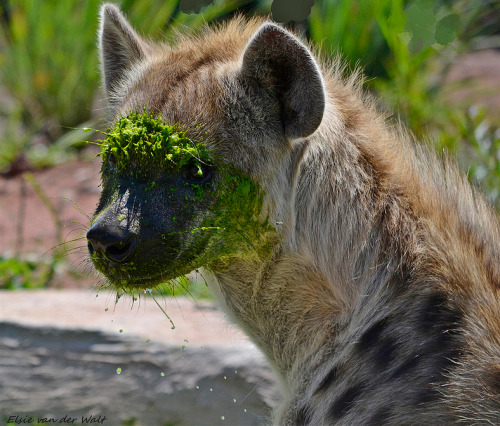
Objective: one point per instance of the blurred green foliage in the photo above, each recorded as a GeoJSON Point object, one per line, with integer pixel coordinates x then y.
{"type": "Point", "coordinates": [350, 27]}
{"type": "Point", "coordinates": [48, 60]}
{"type": "Point", "coordinates": [405, 49]}
{"type": "Point", "coordinates": [19, 272]}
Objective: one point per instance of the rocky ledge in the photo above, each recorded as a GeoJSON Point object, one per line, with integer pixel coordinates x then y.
{"type": "Point", "coordinates": [73, 357]}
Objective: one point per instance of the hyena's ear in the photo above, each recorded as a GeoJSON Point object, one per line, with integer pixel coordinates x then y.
{"type": "Point", "coordinates": [119, 46]}
{"type": "Point", "coordinates": [281, 63]}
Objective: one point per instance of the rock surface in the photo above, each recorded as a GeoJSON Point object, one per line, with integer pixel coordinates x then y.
{"type": "Point", "coordinates": [60, 352]}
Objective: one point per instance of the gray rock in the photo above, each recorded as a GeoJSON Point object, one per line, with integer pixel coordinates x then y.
{"type": "Point", "coordinates": [51, 372]}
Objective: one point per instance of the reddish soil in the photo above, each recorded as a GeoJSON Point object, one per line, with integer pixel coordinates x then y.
{"type": "Point", "coordinates": [474, 78]}
{"type": "Point", "coordinates": [28, 227]}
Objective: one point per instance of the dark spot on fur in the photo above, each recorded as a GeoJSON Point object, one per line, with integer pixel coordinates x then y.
{"type": "Point", "coordinates": [372, 336]}
{"type": "Point", "coordinates": [385, 353]}
{"type": "Point", "coordinates": [303, 416]}
{"type": "Point", "coordinates": [438, 317]}
{"type": "Point", "coordinates": [345, 402]}
{"type": "Point", "coordinates": [381, 417]}
{"type": "Point", "coordinates": [328, 380]}
{"type": "Point", "coordinates": [429, 367]}
{"type": "Point", "coordinates": [384, 347]}
{"type": "Point", "coordinates": [437, 348]}
{"type": "Point", "coordinates": [493, 380]}
{"type": "Point", "coordinates": [441, 324]}
{"type": "Point", "coordinates": [436, 374]}
{"type": "Point", "coordinates": [406, 367]}
{"type": "Point", "coordinates": [427, 394]}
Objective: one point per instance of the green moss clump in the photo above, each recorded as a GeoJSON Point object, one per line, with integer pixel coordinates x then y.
{"type": "Point", "coordinates": [148, 142]}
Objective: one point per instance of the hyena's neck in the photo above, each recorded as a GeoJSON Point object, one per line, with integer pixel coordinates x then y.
{"type": "Point", "coordinates": [294, 301]}
{"type": "Point", "coordinates": [369, 270]}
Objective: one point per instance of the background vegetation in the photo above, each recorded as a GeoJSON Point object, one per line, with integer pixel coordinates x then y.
{"type": "Point", "coordinates": [49, 80]}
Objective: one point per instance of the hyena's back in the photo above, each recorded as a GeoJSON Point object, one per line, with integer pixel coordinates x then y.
{"type": "Point", "coordinates": [378, 301]}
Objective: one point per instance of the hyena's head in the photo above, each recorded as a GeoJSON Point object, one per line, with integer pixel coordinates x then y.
{"type": "Point", "coordinates": [233, 104]}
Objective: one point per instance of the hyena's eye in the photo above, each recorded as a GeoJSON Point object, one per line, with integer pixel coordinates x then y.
{"type": "Point", "coordinates": [112, 161]}
{"type": "Point", "coordinates": [197, 174]}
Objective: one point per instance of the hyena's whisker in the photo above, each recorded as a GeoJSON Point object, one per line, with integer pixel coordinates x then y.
{"type": "Point", "coordinates": [64, 243]}
{"type": "Point", "coordinates": [78, 208]}
{"type": "Point", "coordinates": [79, 232]}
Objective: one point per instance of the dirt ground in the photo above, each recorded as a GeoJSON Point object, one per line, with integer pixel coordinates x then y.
{"type": "Point", "coordinates": [197, 323]}
{"type": "Point", "coordinates": [27, 225]}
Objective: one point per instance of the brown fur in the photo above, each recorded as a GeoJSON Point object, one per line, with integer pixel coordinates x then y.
{"type": "Point", "coordinates": [380, 303]}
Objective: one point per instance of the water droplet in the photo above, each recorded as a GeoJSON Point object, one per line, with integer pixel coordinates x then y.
{"type": "Point", "coordinates": [118, 370]}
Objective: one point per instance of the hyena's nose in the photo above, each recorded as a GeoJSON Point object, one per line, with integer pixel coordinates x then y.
{"type": "Point", "coordinates": [114, 243]}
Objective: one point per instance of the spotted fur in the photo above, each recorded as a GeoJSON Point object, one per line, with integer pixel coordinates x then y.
{"type": "Point", "coordinates": [380, 301]}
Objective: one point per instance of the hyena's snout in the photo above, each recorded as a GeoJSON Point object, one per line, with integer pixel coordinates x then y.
{"type": "Point", "coordinates": [112, 242]}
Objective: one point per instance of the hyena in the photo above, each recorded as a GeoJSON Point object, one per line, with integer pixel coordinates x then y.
{"type": "Point", "coordinates": [374, 287]}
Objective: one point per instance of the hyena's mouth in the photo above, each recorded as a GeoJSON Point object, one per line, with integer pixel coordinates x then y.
{"type": "Point", "coordinates": [141, 271]}
{"type": "Point", "coordinates": [130, 276]}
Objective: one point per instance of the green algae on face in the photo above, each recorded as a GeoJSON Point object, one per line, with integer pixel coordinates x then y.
{"type": "Point", "coordinates": [148, 142]}
{"type": "Point", "coordinates": [236, 219]}
{"type": "Point", "coordinates": [215, 221]}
